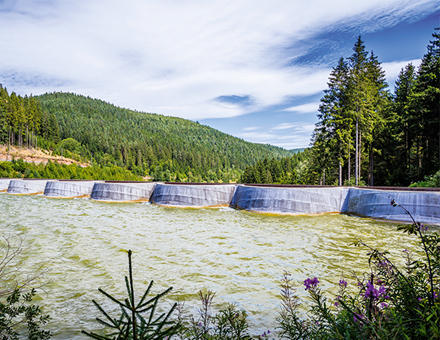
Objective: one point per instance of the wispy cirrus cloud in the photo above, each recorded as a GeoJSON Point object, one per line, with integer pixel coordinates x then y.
{"type": "Point", "coordinates": [195, 60]}
{"type": "Point", "coordinates": [179, 58]}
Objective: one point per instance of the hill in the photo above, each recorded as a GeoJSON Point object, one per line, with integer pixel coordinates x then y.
{"type": "Point", "coordinates": [166, 148]}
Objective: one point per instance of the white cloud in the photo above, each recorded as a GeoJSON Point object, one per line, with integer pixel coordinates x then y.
{"type": "Point", "coordinates": [173, 57]}
{"type": "Point", "coordinates": [251, 128]}
{"type": "Point", "coordinates": [305, 108]}
{"type": "Point", "coordinates": [298, 135]}
{"type": "Point", "coordinates": [392, 69]}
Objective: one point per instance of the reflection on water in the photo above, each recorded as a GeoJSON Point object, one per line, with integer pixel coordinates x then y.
{"type": "Point", "coordinates": [237, 254]}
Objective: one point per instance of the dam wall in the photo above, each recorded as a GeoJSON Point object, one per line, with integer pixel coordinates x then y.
{"type": "Point", "coordinates": [122, 191]}
{"type": "Point", "coordinates": [69, 188]}
{"type": "Point", "coordinates": [422, 203]}
{"type": "Point", "coordinates": [27, 186]}
{"type": "Point", "coordinates": [193, 195]}
{"type": "Point", "coordinates": [4, 184]}
{"type": "Point", "coordinates": [290, 200]}
{"type": "Point", "coordinates": [424, 206]}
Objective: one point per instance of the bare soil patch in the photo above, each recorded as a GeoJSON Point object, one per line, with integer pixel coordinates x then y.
{"type": "Point", "coordinates": [34, 156]}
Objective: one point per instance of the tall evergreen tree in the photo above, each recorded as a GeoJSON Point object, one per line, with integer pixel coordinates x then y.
{"type": "Point", "coordinates": [425, 106]}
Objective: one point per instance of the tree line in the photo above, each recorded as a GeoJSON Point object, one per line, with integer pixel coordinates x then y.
{"type": "Point", "coordinates": [365, 134]}
{"type": "Point", "coordinates": [22, 120]}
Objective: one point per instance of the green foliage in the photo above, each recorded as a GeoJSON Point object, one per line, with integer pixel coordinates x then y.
{"type": "Point", "coordinates": [429, 182]}
{"type": "Point", "coordinates": [166, 148]}
{"type": "Point", "coordinates": [230, 323]}
{"type": "Point", "coordinates": [390, 302]}
{"type": "Point", "coordinates": [137, 320]}
{"type": "Point", "coordinates": [397, 137]}
{"type": "Point", "coordinates": [19, 317]}
{"type": "Point", "coordinates": [53, 170]}
{"type": "Point", "coordinates": [287, 170]}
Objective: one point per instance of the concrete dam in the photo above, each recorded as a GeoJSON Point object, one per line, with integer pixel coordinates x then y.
{"type": "Point", "coordinates": [422, 203]}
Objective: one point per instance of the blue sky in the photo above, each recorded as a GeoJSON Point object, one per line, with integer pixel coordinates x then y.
{"type": "Point", "coordinates": [254, 69]}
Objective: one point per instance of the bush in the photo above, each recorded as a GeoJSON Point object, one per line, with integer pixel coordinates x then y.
{"type": "Point", "coordinates": [18, 315]}
{"type": "Point", "coordinates": [429, 182]}
{"type": "Point", "coordinates": [390, 303]}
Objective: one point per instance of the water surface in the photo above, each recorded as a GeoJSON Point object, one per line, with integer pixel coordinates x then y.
{"type": "Point", "coordinates": [237, 254]}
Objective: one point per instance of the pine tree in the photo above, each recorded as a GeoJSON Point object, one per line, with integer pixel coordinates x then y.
{"type": "Point", "coordinates": [425, 106]}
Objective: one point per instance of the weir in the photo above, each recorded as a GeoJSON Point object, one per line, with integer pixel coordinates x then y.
{"type": "Point", "coordinates": [373, 202]}
{"type": "Point", "coordinates": [193, 195]}
{"type": "Point", "coordinates": [423, 205]}
{"type": "Point", "coordinates": [290, 200]}
{"type": "Point", "coordinates": [125, 191]}
{"type": "Point", "coordinates": [4, 184]}
{"type": "Point", "coordinates": [69, 188]}
{"type": "Point", "coordinates": [27, 186]}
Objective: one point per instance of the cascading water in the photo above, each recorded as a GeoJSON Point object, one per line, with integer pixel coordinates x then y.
{"type": "Point", "coordinates": [186, 195]}
{"type": "Point", "coordinates": [4, 184]}
{"type": "Point", "coordinates": [27, 186]}
{"type": "Point", "coordinates": [122, 191]}
{"type": "Point", "coordinates": [69, 188]}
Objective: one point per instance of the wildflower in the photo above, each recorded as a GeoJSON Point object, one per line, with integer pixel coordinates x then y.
{"type": "Point", "coordinates": [311, 283]}
{"type": "Point", "coordinates": [343, 283]}
{"type": "Point", "coordinates": [336, 303]}
{"type": "Point", "coordinates": [384, 305]}
{"type": "Point", "coordinates": [372, 292]}
{"type": "Point", "coordinates": [419, 299]}
{"type": "Point", "coordinates": [423, 227]}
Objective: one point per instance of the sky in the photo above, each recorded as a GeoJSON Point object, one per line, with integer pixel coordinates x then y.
{"type": "Point", "coordinates": [250, 68]}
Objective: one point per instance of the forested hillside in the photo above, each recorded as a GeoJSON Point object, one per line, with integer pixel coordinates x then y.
{"type": "Point", "coordinates": [287, 170]}
{"type": "Point", "coordinates": [166, 148]}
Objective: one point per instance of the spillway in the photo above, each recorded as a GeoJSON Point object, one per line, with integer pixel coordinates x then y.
{"type": "Point", "coordinates": [4, 184]}
{"type": "Point", "coordinates": [423, 205]}
{"type": "Point", "coordinates": [27, 186]}
{"type": "Point", "coordinates": [69, 188]}
{"type": "Point", "coordinates": [290, 200]}
{"type": "Point", "coordinates": [122, 191]}
{"type": "Point", "coordinates": [193, 195]}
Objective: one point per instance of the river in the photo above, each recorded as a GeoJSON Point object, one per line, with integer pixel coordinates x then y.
{"type": "Point", "coordinates": [239, 255]}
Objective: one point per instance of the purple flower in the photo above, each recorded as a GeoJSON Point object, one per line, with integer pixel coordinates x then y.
{"type": "Point", "coordinates": [419, 299]}
{"type": "Point", "coordinates": [423, 228]}
{"type": "Point", "coordinates": [384, 305]}
{"type": "Point", "coordinates": [336, 303]}
{"type": "Point", "coordinates": [343, 283]}
{"type": "Point", "coordinates": [374, 293]}
{"type": "Point", "coordinates": [311, 283]}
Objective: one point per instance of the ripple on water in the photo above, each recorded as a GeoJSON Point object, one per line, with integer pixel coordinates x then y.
{"type": "Point", "coordinates": [239, 255]}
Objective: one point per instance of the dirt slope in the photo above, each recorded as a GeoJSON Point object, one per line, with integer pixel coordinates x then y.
{"type": "Point", "coordinates": [34, 156]}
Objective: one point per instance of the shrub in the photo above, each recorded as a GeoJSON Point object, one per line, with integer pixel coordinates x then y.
{"type": "Point", "coordinates": [390, 303]}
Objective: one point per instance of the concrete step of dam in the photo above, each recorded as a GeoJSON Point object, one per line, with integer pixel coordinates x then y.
{"type": "Point", "coordinates": [188, 195]}
{"type": "Point", "coordinates": [69, 188]}
{"type": "Point", "coordinates": [27, 186]}
{"type": "Point", "coordinates": [372, 202]}
{"type": "Point", "coordinates": [122, 191]}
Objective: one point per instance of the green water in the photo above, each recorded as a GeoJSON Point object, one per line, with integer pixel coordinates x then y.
{"type": "Point", "coordinates": [237, 254]}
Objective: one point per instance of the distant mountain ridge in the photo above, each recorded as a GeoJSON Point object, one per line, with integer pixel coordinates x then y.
{"type": "Point", "coordinates": [168, 148]}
